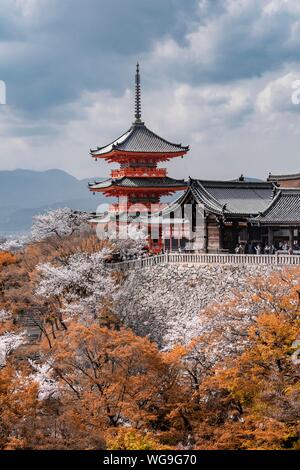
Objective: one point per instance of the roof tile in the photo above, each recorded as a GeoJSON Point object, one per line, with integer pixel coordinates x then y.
{"type": "Point", "coordinates": [140, 139]}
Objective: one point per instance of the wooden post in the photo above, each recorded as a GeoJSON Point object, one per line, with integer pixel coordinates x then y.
{"type": "Point", "coordinates": [291, 237]}
{"type": "Point", "coordinates": [206, 233]}
{"type": "Point", "coordinates": [221, 236]}
{"type": "Point", "coordinates": [171, 236]}
{"type": "Point", "coordinates": [270, 236]}
{"type": "Point", "coordinates": [200, 224]}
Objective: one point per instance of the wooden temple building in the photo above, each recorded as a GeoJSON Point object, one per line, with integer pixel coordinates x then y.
{"type": "Point", "coordinates": [226, 214]}
{"type": "Point", "coordinates": [209, 216]}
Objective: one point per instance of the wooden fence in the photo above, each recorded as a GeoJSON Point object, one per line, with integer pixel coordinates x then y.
{"type": "Point", "coordinates": [208, 258]}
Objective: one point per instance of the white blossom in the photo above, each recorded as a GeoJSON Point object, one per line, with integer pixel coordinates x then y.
{"type": "Point", "coordinates": [131, 247]}
{"type": "Point", "coordinates": [5, 316]}
{"type": "Point", "coordinates": [82, 283]}
{"type": "Point", "coordinates": [60, 223]}
{"type": "Point", "coordinates": [137, 234]}
{"type": "Point", "coordinates": [9, 341]}
{"type": "Point", "coordinates": [42, 375]}
{"type": "Point", "coordinates": [14, 244]}
{"type": "Point", "coordinates": [175, 304]}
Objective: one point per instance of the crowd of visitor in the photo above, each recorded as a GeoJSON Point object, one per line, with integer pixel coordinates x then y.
{"type": "Point", "coordinates": [261, 249]}
{"type": "Point", "coordinates": [256, 248]}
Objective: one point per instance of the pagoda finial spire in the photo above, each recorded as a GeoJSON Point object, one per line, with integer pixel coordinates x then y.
{"type": "Point", "coordinates": [138, 108]}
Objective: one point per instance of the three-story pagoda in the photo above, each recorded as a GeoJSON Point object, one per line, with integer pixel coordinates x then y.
{"type": "Point", "coordinates": [138, 184]}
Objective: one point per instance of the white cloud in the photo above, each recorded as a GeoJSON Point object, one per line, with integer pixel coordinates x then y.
{"type": "Point", "coordinates": [230, 128]}
{"type": "Point", "coordinates": [28, 7]}
{"type": "Point", "coordinates": [246, 39]}
{"type": "Point", "coordinates": [276, 97]}
{"type": "Point", "coordinates": [225, 90]}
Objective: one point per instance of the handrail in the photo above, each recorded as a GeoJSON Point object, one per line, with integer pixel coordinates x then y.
{"type": "Point", "coordinates": [149, 172]}
{"type": "Point", "coordinates": [208, 258]}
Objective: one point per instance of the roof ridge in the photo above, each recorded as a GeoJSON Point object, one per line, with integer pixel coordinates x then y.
{"type": "Point", "coordinates": [209, 197]}
{"type": "Point", "coordinates": [234, 184]}
{"type": "Point", "coordinates": [112, 142]}
{"type": "Point", "coordinates": [269, 207]}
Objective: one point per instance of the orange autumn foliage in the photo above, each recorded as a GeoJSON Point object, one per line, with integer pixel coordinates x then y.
{"type": "Point", "coordinates": [113, 377]}
{"type": "Point", "coordinates": [119, 391]}
{"type": "Point", "coordinates": [261, 389]}
{"type": "Point", "coordinates": [7, 258]}
{"type": "Point", "coordinates": [19, 406]}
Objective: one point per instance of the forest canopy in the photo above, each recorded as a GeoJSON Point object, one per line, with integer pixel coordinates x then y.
{"type": "Point", "coordinates": [73, 376]}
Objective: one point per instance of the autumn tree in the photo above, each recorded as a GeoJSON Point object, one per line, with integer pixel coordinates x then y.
{"type": "Point", "coordinates": [110, 379]}
{"type": "Point", "coordinates": [249, 399]}
{"type": "Point", "coordinates": [6, 258]}
{"type": "Point", "coordinates": [263, 383]}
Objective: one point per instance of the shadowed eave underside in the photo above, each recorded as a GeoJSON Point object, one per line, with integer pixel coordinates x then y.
{"type": "Point", "coordinates": [138, 183]}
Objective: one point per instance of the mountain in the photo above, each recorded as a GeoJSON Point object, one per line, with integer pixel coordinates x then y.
{"type": "Point", "coordinates": [25, 193]}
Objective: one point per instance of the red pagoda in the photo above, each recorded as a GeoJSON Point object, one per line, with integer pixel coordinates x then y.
{"type": "Point", "coordinates": [138, 184]}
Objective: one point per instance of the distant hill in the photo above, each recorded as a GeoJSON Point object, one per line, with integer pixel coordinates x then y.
{"type": "Point", "coordinates": [24, 193]}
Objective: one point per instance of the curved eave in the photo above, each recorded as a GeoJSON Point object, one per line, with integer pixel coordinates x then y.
{"type": "Point", "coordinates": [266, 218]}
{"type": "Point", "coordinates": [96, 186]}
{"type": "Point", "coordinates": [175, 205]}
{"type": "Point", "coordinates": [115, 155]}
{"type": "Point", "coordinates": [203, 196]}
{"type": "Point", "coordinates": [273, 202]}
{"type": "Point", "coordinates": [131, 189]}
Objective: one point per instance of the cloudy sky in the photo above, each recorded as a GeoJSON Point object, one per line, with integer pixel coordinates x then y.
{"type": "Point", "coordinates": [216, 74]}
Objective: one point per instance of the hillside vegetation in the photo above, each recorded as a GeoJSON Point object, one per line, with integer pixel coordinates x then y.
{"type": "Point", "coordinates": [74, 375]}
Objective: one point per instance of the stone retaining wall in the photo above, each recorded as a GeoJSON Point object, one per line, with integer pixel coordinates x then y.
{"type": "Point", "coordinates": [165, 302]}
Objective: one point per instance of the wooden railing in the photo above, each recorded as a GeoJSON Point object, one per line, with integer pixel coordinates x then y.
{"type": "Point", "coordinates": [140, 172]}
{"type": "Point", "coordinates": [208, 258]}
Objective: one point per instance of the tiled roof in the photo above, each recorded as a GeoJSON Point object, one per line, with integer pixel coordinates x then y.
{"type": "Point", "coordinates": [275, 178]}
{"type": "Point", "coordinates": [140, 139]}
{"type": "Point", "coordinates": [233, 197]}
{"type": "Point", "coordinates": [283, 210]}
{"type": "Point", "coordinates": [138, 183]}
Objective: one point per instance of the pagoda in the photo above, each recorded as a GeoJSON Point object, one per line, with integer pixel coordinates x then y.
{"type": "Point", "coordinates": [138, 183]}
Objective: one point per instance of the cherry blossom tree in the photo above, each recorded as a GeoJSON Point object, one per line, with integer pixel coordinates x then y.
{"type": "Point", "coordinates": [14, 244]}
{"type": "Point", "coordinates": [9, 339]}
{"type": "Point", "coordinates": [59, 223]}
{"type": "Point", "coordinates": [82, 285]}
{"type": "Point", "coordinates": [42, 375]}
{"type": "Point", "coordinates": [4, 316]}
{"type": "Point", "coordinates": [9, 342]}
{"type": "Point", "coordinates": [134, 242]}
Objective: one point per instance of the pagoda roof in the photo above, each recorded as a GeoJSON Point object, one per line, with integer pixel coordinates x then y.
{"type": "Point", "coordinates": [283, 210]}
{"type": "Point", "coordinates": [127, 182]}
{"type": "Point", "coordinates": [140, 139]}
{"type": "Point", "coordinates": [232, 198]}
